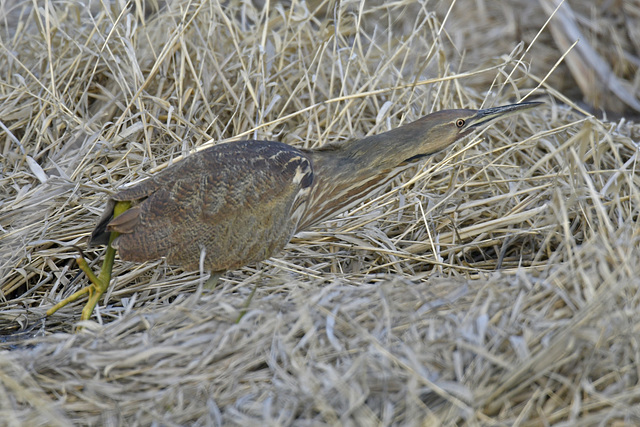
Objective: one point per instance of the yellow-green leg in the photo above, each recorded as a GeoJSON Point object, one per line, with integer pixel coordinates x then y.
{"type": "Point", "coordinates": [100, 283]}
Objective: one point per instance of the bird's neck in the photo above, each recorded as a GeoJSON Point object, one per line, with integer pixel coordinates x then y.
{"type": "Point", "coordinates": [375, 154]}
{"type": "Point", "coordinates": [344, 174]}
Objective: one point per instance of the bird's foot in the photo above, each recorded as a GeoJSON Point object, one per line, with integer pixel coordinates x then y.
{"type": "Point", "coordinates": [100, 283]}
{"type": "Point", "coordinates": [95, 290]}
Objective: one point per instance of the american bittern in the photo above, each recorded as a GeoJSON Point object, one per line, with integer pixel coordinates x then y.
{"type": "Point", "coordinates": [241, 202]}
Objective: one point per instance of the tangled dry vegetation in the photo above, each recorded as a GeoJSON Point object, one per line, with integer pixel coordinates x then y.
{"type": "Point", "coordinates": [496, 284]}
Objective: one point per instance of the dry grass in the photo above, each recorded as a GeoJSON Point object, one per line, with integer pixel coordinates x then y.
{"type": "Point", "coordinates": [496, 284]}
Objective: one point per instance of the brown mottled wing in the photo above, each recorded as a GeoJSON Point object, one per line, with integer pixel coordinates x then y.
{"type": "Point", "coordinates": [239, 202]}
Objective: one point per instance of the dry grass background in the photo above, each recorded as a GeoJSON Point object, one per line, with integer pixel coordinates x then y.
{"type": "Point", "coordinates": [496, 284]}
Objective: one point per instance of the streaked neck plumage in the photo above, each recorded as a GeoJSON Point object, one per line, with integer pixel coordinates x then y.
{"type": "Point", "coordinates": [346, 173]}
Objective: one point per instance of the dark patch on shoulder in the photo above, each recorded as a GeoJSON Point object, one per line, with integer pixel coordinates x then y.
{"type": "Point", "coordinates": [307, 180]}
{"type": "Point", "coordinates": [292, 164]}
{"type": "Point", "coordinates": [299, 163]}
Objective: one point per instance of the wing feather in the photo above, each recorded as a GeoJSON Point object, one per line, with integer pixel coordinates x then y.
{"type": "Point", "coordinates": [237, 201]}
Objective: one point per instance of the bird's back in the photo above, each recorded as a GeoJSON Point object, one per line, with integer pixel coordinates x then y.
{"type": "Point", "coordinates": [238, 202]}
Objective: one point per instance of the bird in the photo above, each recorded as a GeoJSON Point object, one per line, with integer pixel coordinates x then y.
{"type": "Point", "coordinates": [241, 202]}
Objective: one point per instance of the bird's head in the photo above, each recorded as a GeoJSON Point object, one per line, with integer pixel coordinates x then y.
{"type": "Point", "coordinates": [441, 129]}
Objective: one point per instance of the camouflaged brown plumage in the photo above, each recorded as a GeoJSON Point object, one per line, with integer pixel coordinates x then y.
{"type": "Point", "coordinates": [238, 202]}
{"type": "Point", "coordinates": [241, 202]}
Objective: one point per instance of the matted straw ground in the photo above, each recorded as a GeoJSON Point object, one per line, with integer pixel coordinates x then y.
{"type": "Point", "coordinates": [495, 284]}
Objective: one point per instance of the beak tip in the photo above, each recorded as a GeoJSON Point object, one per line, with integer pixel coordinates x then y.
{"type": "Point", "coordinates": [489, 115]}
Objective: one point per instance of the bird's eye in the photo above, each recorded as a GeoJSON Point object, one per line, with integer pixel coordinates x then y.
{"type": "Point", "coordinates": [460, 123]}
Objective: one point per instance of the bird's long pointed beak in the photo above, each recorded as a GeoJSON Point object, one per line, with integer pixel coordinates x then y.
{"type": "Point", "coordinates": [489, 115]}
